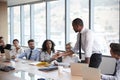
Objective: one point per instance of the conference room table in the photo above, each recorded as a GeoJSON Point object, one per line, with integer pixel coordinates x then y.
{"type": "Point", "coordinates": [24, 70]}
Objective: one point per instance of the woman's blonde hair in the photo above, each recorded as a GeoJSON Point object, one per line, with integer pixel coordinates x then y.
{"type": "Point", "coordinates": [69, 44]}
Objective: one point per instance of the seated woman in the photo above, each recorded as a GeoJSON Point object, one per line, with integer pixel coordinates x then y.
{"type": "Point", "coordinates": [17, 50]}
{"type": "Point", "coordinates": [67, 59]}
{"type": "Point", "coordinates": [47, 51]}
{"type": "Point", "coordinates": [115, 53]}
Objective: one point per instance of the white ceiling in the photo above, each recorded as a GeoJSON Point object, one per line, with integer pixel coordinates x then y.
{"type": "Point", "coordinates": [22, 2]}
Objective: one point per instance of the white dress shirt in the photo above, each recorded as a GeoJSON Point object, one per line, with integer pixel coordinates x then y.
{"type": "Point", "coordinates": [70, 59]}
{"type": "Point", "coordinates": [16, 53]}
{"type": "Point", "coordinates": [66, 60]}
{"type": "Point", "coordinates": [89, 43]}
{"type": "Point", "coordinates": [45, 56]}
{"type": "Point", "coordinates": [116, 77]}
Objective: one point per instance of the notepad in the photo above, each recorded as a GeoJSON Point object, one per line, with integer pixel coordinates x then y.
{"type": "Point", "coordinates": [40, 64]}
{"type": "Point", "coordinates": [50, 68]}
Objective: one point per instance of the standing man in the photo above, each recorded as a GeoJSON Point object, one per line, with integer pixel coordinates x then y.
{"type": "Point", "coordinates": [31, 53]}
{"type": "Point", "coordinates": [89, 44]}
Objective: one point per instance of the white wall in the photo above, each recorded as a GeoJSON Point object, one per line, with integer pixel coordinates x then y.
{"type": "Point", "coordinates": [3, 20]}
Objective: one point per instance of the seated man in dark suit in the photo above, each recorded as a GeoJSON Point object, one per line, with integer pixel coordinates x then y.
{"type": "Point", "coordinates": [4, 48]}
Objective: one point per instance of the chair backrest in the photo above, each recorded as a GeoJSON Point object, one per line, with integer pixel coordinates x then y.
{"type": "Point", "coordinates": [88, 73]}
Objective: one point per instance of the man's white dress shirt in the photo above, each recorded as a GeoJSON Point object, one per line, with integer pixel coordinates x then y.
{"type": "Point", "coordinates": [89, 43]}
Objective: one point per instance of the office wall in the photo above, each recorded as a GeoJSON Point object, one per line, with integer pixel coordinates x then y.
{"type": "Point", "coordinates": [3, 20]}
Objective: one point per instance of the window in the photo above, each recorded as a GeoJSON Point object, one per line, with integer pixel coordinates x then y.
{"type": "Point", "coordinates": [78, 9]}
{"type": "Point", "coordinates": [57, 23]}
{"type": "Point", "coordinates": [16, 21]}
{"type": "Point", "coordinates": [39, 23]}
{"type": "Point", "coordinates": [26, 24]}
{"type": "Point", "coordinates": [53, 20]}
{"type": "Point", "coordinates": [106, 22]}
{"type": "Point", "coordinates": [8, 25]}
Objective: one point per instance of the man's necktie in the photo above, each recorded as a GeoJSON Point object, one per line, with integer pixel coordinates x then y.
{"type": "Point", "coordinates": [30, 55]}
{"type": "Point", "coordinates": [80, 46]}
{"type": "Point", "coordinates": [115, 70]}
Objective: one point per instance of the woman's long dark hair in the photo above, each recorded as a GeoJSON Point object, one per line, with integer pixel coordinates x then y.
{"type": "Point", "coordinates": [44, 48]}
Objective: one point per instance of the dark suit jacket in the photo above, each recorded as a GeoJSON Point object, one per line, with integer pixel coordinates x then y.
{"type": "Point", "coordinates": [8, 47]}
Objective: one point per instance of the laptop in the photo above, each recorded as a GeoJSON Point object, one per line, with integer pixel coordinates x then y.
{"type": "Point", "coordinates": [88, 73]}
